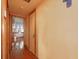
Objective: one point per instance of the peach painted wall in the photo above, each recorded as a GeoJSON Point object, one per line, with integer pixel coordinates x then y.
{"type": "Point", "coordinates": [57, 30]}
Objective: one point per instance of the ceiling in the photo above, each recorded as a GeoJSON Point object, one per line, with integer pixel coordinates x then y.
{"type": "Point", "coordinates": [22, 7]}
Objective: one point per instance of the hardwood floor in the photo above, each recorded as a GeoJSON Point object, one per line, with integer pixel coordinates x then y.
{"type": "Point", "coordinates": [22, 54]}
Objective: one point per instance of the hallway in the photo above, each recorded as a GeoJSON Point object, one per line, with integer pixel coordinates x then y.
{"type": "Point", "coordinates": [22, 54]}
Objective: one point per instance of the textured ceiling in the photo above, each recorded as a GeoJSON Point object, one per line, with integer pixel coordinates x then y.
{"type": "Point", "coordinates": [22, 7]}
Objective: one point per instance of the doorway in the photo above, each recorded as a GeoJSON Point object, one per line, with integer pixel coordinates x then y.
{"type": "Point", "coordinates": [22, 38]}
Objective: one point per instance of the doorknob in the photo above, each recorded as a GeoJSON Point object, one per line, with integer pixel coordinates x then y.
{"type": "Point", "coordinates": [68, 3]}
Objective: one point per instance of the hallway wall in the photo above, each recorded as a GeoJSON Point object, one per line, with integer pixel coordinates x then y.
{"type": "Point", "coordinates": [57, 30]}
{"type": "Point", "coordinates": [30, 33]}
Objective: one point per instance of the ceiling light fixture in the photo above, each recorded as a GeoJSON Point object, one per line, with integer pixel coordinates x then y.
{"type": "Point", "coordinates": [27, 0]}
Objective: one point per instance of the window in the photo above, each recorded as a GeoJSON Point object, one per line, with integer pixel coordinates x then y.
{"type": "Point", "coordinates": [17, 33]}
